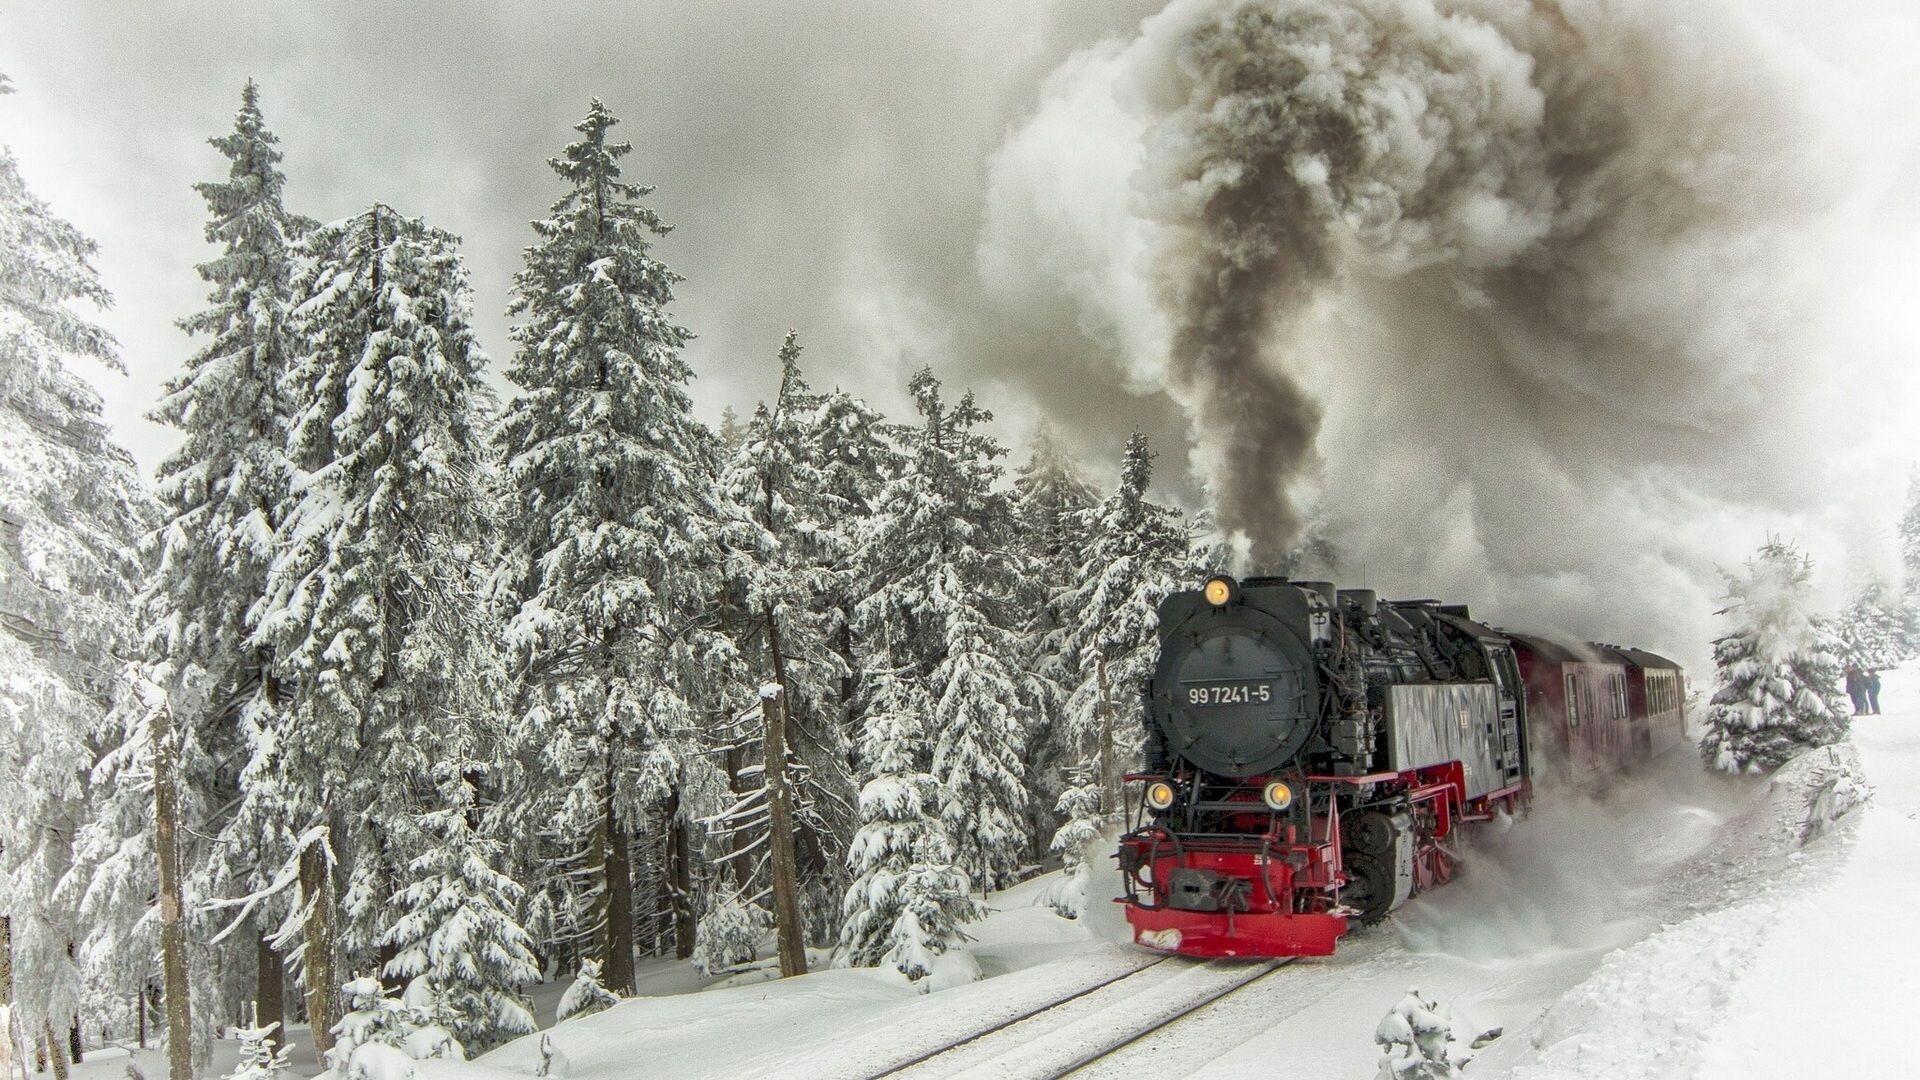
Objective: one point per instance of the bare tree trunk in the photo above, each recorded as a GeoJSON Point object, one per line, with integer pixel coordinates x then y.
{"type": "Point", "coordinates": [792, 933]}
{"type": "Point", "coordinates": [618, 861]}
{"type": "Point", "coordinates": [55, 1051]}
{"type": "Point", "coordinates": [679, 879]}
{"type": "Point", "coordinates": [6, 1001]}
{"type": "Point", "coordinates": [790, 930]}
{"type": "Point", "coordinates": [316, 886]}
{"type": "Point", "coordinates": [173, 927]}
{"type": "Point", "coordinates": [270, 985]}
{"type": "Point", "coordinates": [850, 682]}
{"type": "Point", "coordinates": [140, 1006]}
{"type": "Point", "coordinates": [739, 867]}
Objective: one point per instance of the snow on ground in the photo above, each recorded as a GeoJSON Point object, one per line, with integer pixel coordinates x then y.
{"type": "Point", "coordinates": [839, 1022]}
{"type": "Point", "coordinates": [1814, 975]}
{"type": "Point", "coordinates": [1676, 926]}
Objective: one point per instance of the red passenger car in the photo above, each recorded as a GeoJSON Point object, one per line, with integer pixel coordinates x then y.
{"type": "Point", "coordinates": [1594, 710]}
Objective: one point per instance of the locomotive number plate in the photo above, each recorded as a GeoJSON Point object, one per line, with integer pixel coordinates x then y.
{"type": "Point", "coordinates": [1238, 693]}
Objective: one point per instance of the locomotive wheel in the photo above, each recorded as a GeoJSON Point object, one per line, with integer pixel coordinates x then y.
{"type": "Point", "coordinates": [1369, 831]}
{"type": "Point", "coordinates": [1369, 886]}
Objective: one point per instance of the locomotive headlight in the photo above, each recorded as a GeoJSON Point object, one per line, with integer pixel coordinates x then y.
{"type": "Point", "coordinates": [1278, 795]}
{"type": "Point", "coordinates": [1159, 794]}
{"type": "Point", "coordinates": [1218, 591]}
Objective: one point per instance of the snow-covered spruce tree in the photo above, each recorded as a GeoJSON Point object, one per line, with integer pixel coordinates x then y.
{"type": "Point", "coordinates": [72, 510]}
{"type": "Point", "coordinates": [732, 433]}
{"type": "Point", "coordinates": [1877, 629]}
{"type": "Point", "coordinates": [1135, 553]}
{"type": "Point", "coordinates": [1779, 669]}
{"type": "Point", "coordinates": [456, 930]}
{"type": "Point", "coordinates": [1050, 496]}
{"type": "Point", "coordinates": [1909, 534]}
{"type": "Point", "coordinates": [369, 592]}
{"type": "Point", "coordinates": [790, 553]}
{"type": "Point", "coordinates": [1909, 531]}
{"type": "Point", "coordinates": [219, 496]}
{"type": "Point", "coordinates": [940, 592]}
{"type": "Point", "coordinates": [909, 897]}
{"type": "Point", "coordinates": [1051, 500]}
{"type": "Point", "coordinates": [857, 454]}
{"type": "Point", "coordinates": [612, 551]}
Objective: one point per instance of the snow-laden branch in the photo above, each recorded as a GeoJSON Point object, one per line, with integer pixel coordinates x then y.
{"type": "Point", "coordinates": [289, 874]}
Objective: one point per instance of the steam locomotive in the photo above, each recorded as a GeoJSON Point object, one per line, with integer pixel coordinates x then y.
{"type": "Point", "coordinates": [1312, 753]}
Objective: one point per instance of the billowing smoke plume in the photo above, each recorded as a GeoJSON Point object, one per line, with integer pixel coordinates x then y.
{"type": "Point", "coordinates": [1491, 294]}
{"type": "Point", "coordinates": [1285, 132]}
{"type": "Point", "coordinates": [1546, 173]}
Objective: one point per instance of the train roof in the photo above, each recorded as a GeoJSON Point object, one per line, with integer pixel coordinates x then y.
{"type": "Point", "coordinates": [1592, 652]}
{"type": "Point", "coordinates": [1458, 616]}
{"type": "Point", "coordinates": [1647, 659]}
{"type": "Point", "coordinates": [1562, 652]}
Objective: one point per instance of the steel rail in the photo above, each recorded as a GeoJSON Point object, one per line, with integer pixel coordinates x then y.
{"type": "Point", "coordinates": [1020, 1018]}
{"type": "Point", "coordinates": [1109, 1049]}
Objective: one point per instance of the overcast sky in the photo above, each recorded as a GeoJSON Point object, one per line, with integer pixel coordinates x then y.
{"type": "Point", "coordinates": [828, 167]}
{"type": "Point", "coordinates": [822, 164]}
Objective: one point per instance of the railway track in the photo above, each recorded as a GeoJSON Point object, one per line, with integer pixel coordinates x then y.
{"type": "Point", "coordinates": [1081, 1028]}
{"type": "Point", "coordinates": [899, 1067]}
{"type": "Point", "coordinates": [1121, 1042]}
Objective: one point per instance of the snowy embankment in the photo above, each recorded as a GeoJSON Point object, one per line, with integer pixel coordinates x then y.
{"type": "Point", "coordinates": [1812, 975]}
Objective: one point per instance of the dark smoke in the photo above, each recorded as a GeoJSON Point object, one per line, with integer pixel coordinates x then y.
{"type": "Point", "coordinates": [1551, 306]}
{"type": "Point", "coordinates": [1286, 134]}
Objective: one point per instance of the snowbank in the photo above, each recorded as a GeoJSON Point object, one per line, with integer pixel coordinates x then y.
{"type": "Point", "coordinates": [1811, 956]}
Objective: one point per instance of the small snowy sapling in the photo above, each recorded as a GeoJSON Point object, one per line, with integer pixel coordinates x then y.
{"type": "Point", "coordinates": [1419, 1040]}
{"type": "Point", "coordinates": [586, 996]}
{"type": "Point", "coordinates": [261, 1056]}
{"type": "Point", "coordinates": [729, 936]}
{"type": "Point", "coordinates": [553, 1062]}
{"type": "Point", "coordinates": [1080, 805]}
{"type": "Point", "coordinates": [381, 1037]}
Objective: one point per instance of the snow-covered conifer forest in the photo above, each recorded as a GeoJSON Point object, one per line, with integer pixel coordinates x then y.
{"type": "Point", "coordinates": [389, 684]}
{"type": "Point", "coordinates": [478, 655]}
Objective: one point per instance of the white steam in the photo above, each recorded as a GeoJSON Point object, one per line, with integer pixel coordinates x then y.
{"type": "Point", "coordinates": [1526, 303]}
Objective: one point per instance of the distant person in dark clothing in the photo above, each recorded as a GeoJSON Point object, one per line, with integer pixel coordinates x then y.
{"type": "Point", "coordinates": [1857, 688]}
{"type": "Point", "coordinates": [1872, 683]}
